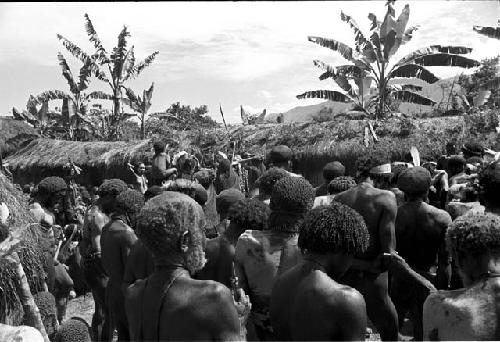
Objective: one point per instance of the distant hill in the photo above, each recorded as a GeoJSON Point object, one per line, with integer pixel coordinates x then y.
{"type": "Point", "coordinates": [307, 113]}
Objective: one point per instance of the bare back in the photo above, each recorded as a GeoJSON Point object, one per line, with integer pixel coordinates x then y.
{"type": "Point", "coordinates": [189, 310]}
{"type": "Point", "coordinates": [307, 305]}
{"type": "Point", "coordinates": [465, 314]}
{"type": "Point", "coordinates": [420, 233]}
{"type": "Point", "coordinates": [378, 208]}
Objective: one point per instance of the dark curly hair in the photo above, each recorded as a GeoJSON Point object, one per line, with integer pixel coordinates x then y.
{"type": "Point", "coordinates": [46, 304]}
{"type": "Point", "coordinates": [112, 187]}
{"type": "Point", "coordinates": [153, 191]}
{"type": "Point", "coordinates": [455, 164]}
{"type": "Point", "coordinates": [368, 161]}
{"type": "Point", "coordinates": [205, 177]}
{"type": "Point", "coordinates": [49, 190]}
{"type": "Point", "coordinates": [165, 218]}
{"type": "Point", "coordinates": [291, 199]}
{"type": "Point", "coordinates": [108, 191]}
{"type": "Point", "coordinates": [266, 182]}
{"type": "Point", "coordinates": [489, 181]}
{"type": "Point", "coordinates": [474, 233]}
{"type": "Point", "coordinates": [159, 147]}
{"type": "Point", "coordinates": [75, 329]}
{"type": "Point", "coordinates": [247, 214]}
{"type": "Point", "coordinates": [340, 184]}
{"type": "Point", "coordinates": [396, 171]}
{"type": "Point", "coordinates": [334, 228]}
{"type": "Point", "coordinates": [129, 202]}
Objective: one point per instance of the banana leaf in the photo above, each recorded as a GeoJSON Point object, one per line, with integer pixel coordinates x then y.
{"type": "Point", "coordinates": [414, 71]}
{"type": "Point", "coordinates": [408, 96]}
{"type": "Point", "coordinates": [492, 32]}
{"type": "Point", "coordinates": [331, 95]}
{"type": "Point", "coordinates": [444, 59]}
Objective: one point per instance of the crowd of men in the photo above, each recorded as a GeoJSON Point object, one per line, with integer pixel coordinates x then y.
{"type": "Point", "coordinates": [251, 251]}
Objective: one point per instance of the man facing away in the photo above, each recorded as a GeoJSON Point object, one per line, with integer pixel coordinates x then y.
{"type": "Point", "coordinates": [420, 236]}
{"type": "Point", "coordinates": [367, 274]}
{"type": "Point", "coordinates": [90, 248]}
{"type": "Point", "coordinates": [469, 313]}
{"type": "Point", "coordinates": [330, 172]}
{"type": "Point", "coordinates": [262, 255]}
{"type": "Point", "coordinates": [160, 167]}
{"type": "Point", "coordinates": [169, 305]}
{"type": "Point", "coordinates": [117, 238]}
{"type": "Point", "coordinates": [308, 302]}
{"type": "Point", "coordinates": [281, 157]}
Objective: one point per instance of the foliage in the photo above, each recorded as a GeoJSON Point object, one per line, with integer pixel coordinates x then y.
{"type": "Point", "coordinates": [406, 127]}
{"type": "Point", "coordinates": [479, 122]}
{"type": "Point", "coordinates": [182, 117]}
{"type": "Point", "coordinates": [474, 83]}
{"type": "Point", "coordinates": [325, 114]}
{"type": "Point", "coordinates": [370, 64]}
{"type": "Point", "coordinates": [140, 105]}
{"type": "Point", "coordinates": [114, 68]}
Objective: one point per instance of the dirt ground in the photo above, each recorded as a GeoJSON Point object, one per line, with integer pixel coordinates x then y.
{"type": "Point", "coordinates": [83, 307]}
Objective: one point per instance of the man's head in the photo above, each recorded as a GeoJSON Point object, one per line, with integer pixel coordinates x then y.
{"type": "Point", "coordinates": [291, 199]}
{"type": "Point", "coordinates": [141, 169]}
{"type": "Point", "coordinates": [281, 156]}
{"type": "Point", "coordinates": [451, 148]}
{"type": "Point", "coordinates": [456, 165]}
{"type": "Point", "coordinates": [159, 147]}
{"type": "Point", "coordinates": [335, 230]}
{"type": "Point", "coordinates": [474, 239]}
{"type": "Point", "coordinates": [205, 177]}
{"type": "Point", "coordinates": [396, 171]}
{"type": "Point", "coordinates": [51, 191]}
{"type": "Point", "coordinates": [190, 188]}
{"type": "Point", "coordinates": [374, 166]}
{"type": "Point", "coordinates": [244, 215]}
{"type": "Point", "coordinates": [128, 205]}
{"type": "Point", "coordinates": [171, 227]}
{"type": "Point", "coordinates": [108, 191]}
{"type": "Point", "coordinates": [473, 149]}
{"type": "Point", "coordinates": [333, 170]}
{"type": "Point", "coordinates": [339, 184]}
{"type": "Point", "coordinates": [415, 182]}
{"type": "Point", "coordinates": [266, 182]}
{"type": "Point", "coordinates": [489, 181]}
{"type": "Point", "coordinates": [153, 191]}
{"type": "Point", "coordinates": [226, 199]}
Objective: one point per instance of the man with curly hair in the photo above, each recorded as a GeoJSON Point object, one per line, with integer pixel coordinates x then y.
{"type": "Point", "coordinates": [243, 215]}
{"type": "Point", "coordinates": [489, 181]}
{"type": "Point", "coordinates": [330, 172]}
{"type": "Point", "coordinates": [420, 236]}
{"type": "Point", "coordinates": [367, 274]}
{"type": "Point", "coordinates": [308, 302]}
{"type": "Point", "coordinates": [90, 248]}
{"type": "Point", "coordinates": [265, 183]}
{"type": "Point", "coordinates": [116, 240]}
{"type": "Point", "coordinates": [281, 157]}
{"type": "Point", "coordinates": [170, 304]}
{"type": "Point", "coordinates": [470, 313]}
{"type": "Point", "coordinates": [263, 255]}
{"type": "Point", "coordinates": [336, 186]}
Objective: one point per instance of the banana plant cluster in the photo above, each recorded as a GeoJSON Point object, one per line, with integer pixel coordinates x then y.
{"type": "Point", "coordinates": [113, 68]}
{"type": "Point", "coordinates": [140, 105]}
{"type": "Point", "coordinates": [365, 82]}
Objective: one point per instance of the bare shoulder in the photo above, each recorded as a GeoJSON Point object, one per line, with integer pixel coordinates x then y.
{"type": "Point", "coordinates": [249, 240]}
{"type": "Point", "coordinates": [441, 216]}
{"type": "Point", "coordinates": [211, 294]}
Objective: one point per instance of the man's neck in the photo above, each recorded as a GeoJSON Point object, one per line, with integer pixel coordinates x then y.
{"type": "Point", "coordinates": [366, 182]}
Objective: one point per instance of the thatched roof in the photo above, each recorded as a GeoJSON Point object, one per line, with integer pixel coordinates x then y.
{"type": "Point", "coordinates": [16, 202]}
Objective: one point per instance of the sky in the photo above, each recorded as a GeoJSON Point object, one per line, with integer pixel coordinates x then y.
{"type": "Point", "coordinates": [254, 54]}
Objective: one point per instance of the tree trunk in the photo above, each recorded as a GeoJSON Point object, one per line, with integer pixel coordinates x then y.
{"type": "Point", "coordinates": [143, 127]}
{"type": "Point", "coordinates": [23, 290]}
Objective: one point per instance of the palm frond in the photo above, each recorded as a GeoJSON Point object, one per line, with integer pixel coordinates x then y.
{"type": "Point", "coordinates": [73, 49]}
{"type": "Point", "coordinates": [408, 96]}
{"type": "Point", "coordinates": [414, 71]}
{"type": "Point", "coordinates": [94, 38]}
{"type": "Point", "coordinates": [66, 71]}
{"type": "Point", "coordinates": [85, 73]}
{"type": "Point", "coordinates": [492, 32]}
{"type": "Point", "coordinates": [144, 64]}
{"type": "Point", "coordinates": [331, 95]}
{"type": "Point", "coordinates": [363, 46]}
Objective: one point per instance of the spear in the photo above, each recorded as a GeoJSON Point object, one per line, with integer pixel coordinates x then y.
{"type": "Point", "coordinates": [222, 114]}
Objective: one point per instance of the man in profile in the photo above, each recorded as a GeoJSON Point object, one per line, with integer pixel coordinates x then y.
{"type": "Point", "coordinates": [367, 273]}
{"type": "Point", "coordinates": [281, 157]}
{"type": "Point", "coordinates": [308, 302]}
{"type": "Point", "coordinates": [330, 172]}
{"type": "Point", "coordinates": [161, 161]}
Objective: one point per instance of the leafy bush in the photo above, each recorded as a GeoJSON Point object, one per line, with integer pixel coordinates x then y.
{"type": "Point", "coordinates": [479, 122]}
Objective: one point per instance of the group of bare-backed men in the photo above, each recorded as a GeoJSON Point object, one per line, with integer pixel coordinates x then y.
{"type": "Point", "coordinates": [248, 252]}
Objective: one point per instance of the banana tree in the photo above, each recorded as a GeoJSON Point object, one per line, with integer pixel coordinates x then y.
{"type": "Point", "coordinates": [140, 105]}
{"type": "Point", "coordinates": [73, 119]}
{"type": "Point", "coordinates": [493, 84]}
{"type": "Point", "coordinates": [114, 68]}
{"type": "Point", "coordinates": [366, 81]}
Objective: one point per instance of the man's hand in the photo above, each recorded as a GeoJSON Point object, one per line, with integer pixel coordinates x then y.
{"type": "Point", "coordinates": [243, 306]}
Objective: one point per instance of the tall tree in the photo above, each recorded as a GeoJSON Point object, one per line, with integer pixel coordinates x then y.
{"type": "Point", "coordinates": [371, 64]}
{"type": "Point", "coordinates": [114, 68]}
{"type": "Point", "coordinates": [140, 105]}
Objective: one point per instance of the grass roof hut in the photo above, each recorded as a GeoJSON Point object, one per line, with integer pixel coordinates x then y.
{"type": "Point", "coordinates": [21, 223]}
{"type": "Point", "coordinates": [14, 134]}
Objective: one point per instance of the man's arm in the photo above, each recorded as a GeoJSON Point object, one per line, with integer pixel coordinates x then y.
{"type": "Point", "coordinates": [97, 222]}
{"type": "Point", "coordinates": [432, 316]}
{"type": "Point", "coordinates": [127, 241]}
{"type": "Point", "coordinates": [352, 314]}
{"type": "Point", "coordinates": [386, 229]}
{"type": "Point", "coordinates": [443, 273]}
{"type": "Point", "coordinates": [221, 317]}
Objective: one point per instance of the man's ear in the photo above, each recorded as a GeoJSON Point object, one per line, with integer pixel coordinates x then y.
{"type": "Point", "coordinates": [185, 241]}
